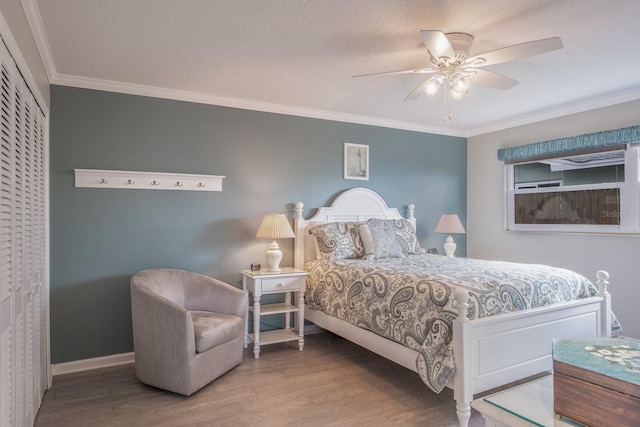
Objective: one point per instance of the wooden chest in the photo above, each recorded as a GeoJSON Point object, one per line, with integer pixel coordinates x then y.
{"type": "Point", "coordinates": [597, 381]}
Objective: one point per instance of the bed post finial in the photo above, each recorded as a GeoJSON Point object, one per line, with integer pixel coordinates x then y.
{"type": "Point", "coordinates": [298, 243]}
{"type": "Point", "coordinates": [603, 282]}
{"type": "Point", "coordinates": [411, 210]}
{"type": "Point", "coordinates": [462, 304]}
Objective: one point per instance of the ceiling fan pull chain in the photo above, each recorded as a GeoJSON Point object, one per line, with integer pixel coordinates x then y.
{"type": "Point", "coordinates": [447, 101]}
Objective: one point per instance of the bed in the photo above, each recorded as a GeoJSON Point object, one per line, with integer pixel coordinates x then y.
{"type": "Point", "coordinates": [476, 345]}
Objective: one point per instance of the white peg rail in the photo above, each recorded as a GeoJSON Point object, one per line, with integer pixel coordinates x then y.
{"type": "Point", "coordinates": [147, 180]}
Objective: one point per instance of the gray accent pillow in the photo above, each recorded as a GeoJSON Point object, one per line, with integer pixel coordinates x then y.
{"type": "Point", "coordinates": [385, 240]}
{"type": "Point", "coordinates": [338, 240]}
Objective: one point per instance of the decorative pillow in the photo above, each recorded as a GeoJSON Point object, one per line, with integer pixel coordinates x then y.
{"type": "Point", "coordinates": [385, 241]}
{"type": "Point", "coordinates": [407, 237]}
{"type": "Point", "coordinates": [338, 240]}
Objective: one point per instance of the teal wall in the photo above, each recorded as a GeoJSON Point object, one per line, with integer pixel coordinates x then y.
{"type": "Point", "coordinates": [100, 237]}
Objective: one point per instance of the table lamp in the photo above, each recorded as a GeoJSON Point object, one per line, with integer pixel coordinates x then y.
{"type": "Point", "coordinates": [274, 226]}
{"type": "Point", "coordinates": [449, 224]}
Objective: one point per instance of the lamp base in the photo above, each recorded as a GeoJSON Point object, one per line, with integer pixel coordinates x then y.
{"type": "Point", "coordinates": [450, 247]}
{"type": "Point", "coordinates": [274, 256]}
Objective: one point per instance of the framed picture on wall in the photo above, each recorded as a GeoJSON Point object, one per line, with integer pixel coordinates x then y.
{"type": "Point", "coordinates": [356, 161]}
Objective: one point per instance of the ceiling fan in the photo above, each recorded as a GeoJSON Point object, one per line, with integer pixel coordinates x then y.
{"type": "Point", "coordinates": [454, 70]}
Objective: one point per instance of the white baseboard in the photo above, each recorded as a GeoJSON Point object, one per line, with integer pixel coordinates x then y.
{"type": "Point", "coordinates": [93, 363]}
{"type": "Point", "coordinates": [121, 359]}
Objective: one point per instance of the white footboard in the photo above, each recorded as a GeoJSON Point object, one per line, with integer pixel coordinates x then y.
{"type": "Point", "coordinates": [493, 351]}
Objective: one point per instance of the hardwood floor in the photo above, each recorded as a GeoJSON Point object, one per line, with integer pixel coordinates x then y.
{"type": "Point", "coordinates": [332, 382]}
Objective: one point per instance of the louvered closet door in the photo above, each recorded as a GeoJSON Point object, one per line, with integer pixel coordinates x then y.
{"type": "Point", "coordinates": [31, 231]}
{"type": "Point", "coordinates": [18, 250]}
{"type": "Point", "coordinates": [26, 171]}
{"type": "Point", "coordinates": [23, 298]}
{"type": "Point", "coordinates": [8, 344]}
{"type": "Point", "coordinates": [37, 267]}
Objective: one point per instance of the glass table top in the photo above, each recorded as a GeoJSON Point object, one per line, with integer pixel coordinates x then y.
{"type": "Point", "coordinates": [532, 402]}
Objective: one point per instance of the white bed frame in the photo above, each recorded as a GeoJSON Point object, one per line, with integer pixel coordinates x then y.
{"type": "Point", "coordinates": [484, 352]}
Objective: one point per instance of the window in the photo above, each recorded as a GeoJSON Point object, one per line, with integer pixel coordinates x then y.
{"type": "Point", "coordinates": [595, 192]}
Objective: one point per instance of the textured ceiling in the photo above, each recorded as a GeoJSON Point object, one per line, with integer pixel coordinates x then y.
{"type": "Point", "coordinates": [298, 56]}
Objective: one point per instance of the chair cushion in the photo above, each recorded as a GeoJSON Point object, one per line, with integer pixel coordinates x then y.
{"type": "Point", "coordinates": [213, 329]}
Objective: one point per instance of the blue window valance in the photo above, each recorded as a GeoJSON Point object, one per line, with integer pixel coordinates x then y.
{"type": "Point", "coordinates": [587, 141]}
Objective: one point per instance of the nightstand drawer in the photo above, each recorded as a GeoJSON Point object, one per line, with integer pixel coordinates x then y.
{"type": "Point", "coordinates": [281, 284]}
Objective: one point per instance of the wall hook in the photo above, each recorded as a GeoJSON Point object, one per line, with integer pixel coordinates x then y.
{"type": "Point", "coordinates": [94, 178]}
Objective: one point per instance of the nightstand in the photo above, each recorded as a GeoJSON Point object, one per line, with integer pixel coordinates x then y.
{"type": "Point", "coordinates": [288, 281]}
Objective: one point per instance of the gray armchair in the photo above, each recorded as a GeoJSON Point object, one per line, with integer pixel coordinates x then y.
{"type": "Point", "coordinates": [188, 329]}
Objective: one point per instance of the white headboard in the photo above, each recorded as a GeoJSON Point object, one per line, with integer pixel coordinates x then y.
{"type": "Point", "coordinates": [356, 204]}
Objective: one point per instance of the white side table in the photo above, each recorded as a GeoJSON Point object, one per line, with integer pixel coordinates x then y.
{"type": "Point", "coordinates": [290, 282]}
{"type": "Point", "coordinates": [525, 405]}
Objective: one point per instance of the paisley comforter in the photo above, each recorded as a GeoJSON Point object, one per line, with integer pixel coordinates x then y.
{"type": "Point", "coordinates": [410, 300]}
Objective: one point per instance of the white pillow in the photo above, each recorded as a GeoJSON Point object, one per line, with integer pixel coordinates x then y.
{"type": "Point", "coordinates": [367, 241]}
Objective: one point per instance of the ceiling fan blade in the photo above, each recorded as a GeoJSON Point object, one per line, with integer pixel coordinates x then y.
{"type": "Point", "coordinates": [491, 79]}
{"type": "Point", "coordinates": [437, 44]}
{"type": "Point", "coordinates": [391, 73]}
{"type": "Point", "coordinates": [416, 92]}
{"type": "Point", "coordinates": [518, 51]}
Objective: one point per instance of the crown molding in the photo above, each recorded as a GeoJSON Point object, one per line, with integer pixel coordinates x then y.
{"type": "Point", "coordinates": [34, 19]}
{"type": "Point", "coordinates": [608, 100]}
{"type": "Point", "coordinates": [187, 96]}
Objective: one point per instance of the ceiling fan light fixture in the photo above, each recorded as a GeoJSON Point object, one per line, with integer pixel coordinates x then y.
{"type": "Point", "coordinates": [433, 85]}
{"type": "Point", "coordinates": [461, 82]}
{"type": "Point", "coordinates": [457, 95]}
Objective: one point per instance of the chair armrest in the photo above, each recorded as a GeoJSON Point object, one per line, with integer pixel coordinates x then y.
{"type": "Point", "coordinates": [161, 328]}
{"type": "Point", "coordinates": [205, 293]}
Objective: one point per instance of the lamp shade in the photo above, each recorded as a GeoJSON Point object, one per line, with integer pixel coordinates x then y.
{"type": "Point", "coordinates": [449, 224]}
{"type": "Point", "coordinates": [275, 226]}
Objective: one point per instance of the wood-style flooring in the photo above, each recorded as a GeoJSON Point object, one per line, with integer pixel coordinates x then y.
{"type": "Point", "coordinates": [333, 382]}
